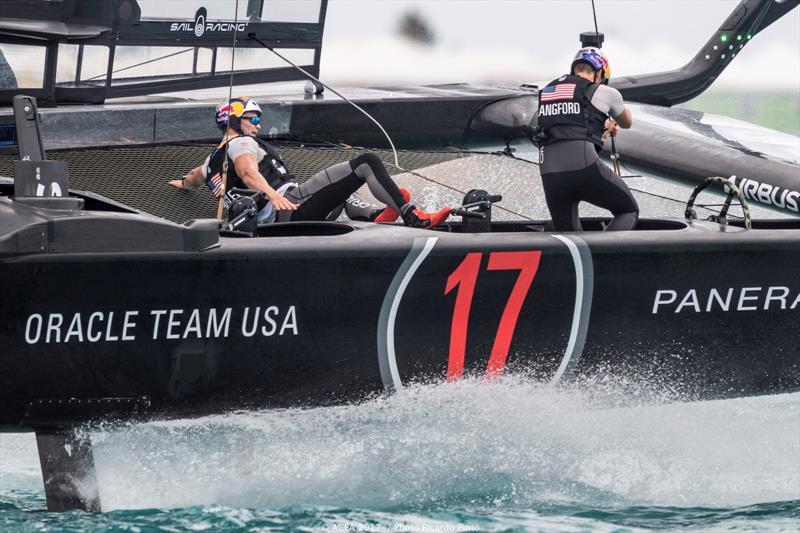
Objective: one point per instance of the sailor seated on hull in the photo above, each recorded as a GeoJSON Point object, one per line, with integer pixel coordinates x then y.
{"type": "Point", "coordinates": [255, 165]}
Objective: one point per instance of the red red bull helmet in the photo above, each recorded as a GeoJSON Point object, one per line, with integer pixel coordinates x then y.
{"type": "Point", "coordinates": [235, 107]}
{"type": "Point", "coordinates": [222, 112]}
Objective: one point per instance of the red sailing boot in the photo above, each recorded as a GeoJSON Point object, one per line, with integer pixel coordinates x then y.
{"type": "Point", "coordinates": [388, 214]}
{"type": "Point", "coordinates": [416, 218]}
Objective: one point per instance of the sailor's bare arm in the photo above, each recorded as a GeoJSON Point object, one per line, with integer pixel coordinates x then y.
{"type": "Point", "coordinates": [247, 168]}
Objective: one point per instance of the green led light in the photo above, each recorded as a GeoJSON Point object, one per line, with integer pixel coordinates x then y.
{"type": "Point", "coordinates": [749, 36]}
{"type": "Point", "coordinates": [723, 38]}
{"type": "Point", "coordinates": [738, 37]}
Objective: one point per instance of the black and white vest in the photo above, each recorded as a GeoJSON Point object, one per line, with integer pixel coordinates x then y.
{"type": "Point", "coordinates": [566, 112]}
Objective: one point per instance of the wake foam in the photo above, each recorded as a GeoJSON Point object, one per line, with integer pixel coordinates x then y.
{"type": "Point", "coordinates": [509, 444]}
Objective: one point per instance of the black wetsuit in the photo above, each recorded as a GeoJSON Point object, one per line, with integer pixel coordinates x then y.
{"type": "Point", "coordinates": [322, 195]}
{"type": "Point", "coordinates": [570, 135]}
{"type": "Point", "coordinates": [325, 191]}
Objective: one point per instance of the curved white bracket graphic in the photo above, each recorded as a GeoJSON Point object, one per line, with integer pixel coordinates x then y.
{"type": "Point", "coordinates": [391, 302]}
{"type": "Point", "coordinates": [584, 287]}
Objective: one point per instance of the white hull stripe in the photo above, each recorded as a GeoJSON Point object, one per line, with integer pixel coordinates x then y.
{"type": "Point", "coordinates": [584, 288]}
{"type": "Point", "coordinates": [391, 302]}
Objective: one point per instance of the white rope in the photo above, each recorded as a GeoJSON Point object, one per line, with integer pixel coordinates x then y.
{"type": "Point", "coordinates": [230, 96]}
{"type": "Point", "coordinates": [337, 93]}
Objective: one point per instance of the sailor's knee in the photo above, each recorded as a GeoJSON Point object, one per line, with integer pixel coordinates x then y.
{"type": "Point", "coordinates": [370, 159]}
{"type": "Point", "coordinates": [629, 214]}
{"type": "Point", "coordinates": [633, 205]}
{"type": "Point", "coordinates": [364, 162]}
{"type": "Point", "coordinates": [632, 218]}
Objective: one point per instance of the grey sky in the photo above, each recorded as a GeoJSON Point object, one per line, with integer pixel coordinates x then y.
{"type": "Point", "coordinates": [497, 41]}
{"type": "Point", "coordinates": [535, 39]}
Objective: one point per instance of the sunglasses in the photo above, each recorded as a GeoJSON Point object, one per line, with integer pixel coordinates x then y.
{"type": "Point", "coordinates": [255, 121]}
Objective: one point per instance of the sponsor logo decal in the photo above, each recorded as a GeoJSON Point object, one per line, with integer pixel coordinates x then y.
{"type": "Point", "coordinates": [728, 300]}
{"type": "Point", "coordinates": [201, 25]}
{"type": "Point", "coordinates": [767, 194]}
{"type": "Point", "coordinates": [200, 22]}
{"type": "Point", "coordinates": [160, 324]}
{"type": "Point", "coordinates": [355, 201]}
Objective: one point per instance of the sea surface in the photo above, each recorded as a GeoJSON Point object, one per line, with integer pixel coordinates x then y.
{"type": "Point", "coordinates": [471, 456]}
{"type": "Point", "coordinates": [772, 109]}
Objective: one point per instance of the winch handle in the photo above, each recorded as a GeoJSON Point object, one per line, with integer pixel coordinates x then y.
{"type": "Point", "coordinates": [472, 210]}
{"type": "Point", "coordinates": [721, 218]}
{"type": "Point", "coordinates": [482, 205]}
{"type": "Point", "coordinates": [461, 212]}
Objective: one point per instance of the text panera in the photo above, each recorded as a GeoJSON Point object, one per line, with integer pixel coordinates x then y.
{"type": "Point", "coordinates": [726, 300]}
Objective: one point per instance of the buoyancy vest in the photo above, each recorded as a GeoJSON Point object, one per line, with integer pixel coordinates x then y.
{"type": "Point", "coordinates": [271, 167]}
{"type": "Point", "coordinates": [566, 112]}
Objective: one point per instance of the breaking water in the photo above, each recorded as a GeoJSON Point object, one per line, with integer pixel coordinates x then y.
{"type": "Point", "coordinates": [473, 455]}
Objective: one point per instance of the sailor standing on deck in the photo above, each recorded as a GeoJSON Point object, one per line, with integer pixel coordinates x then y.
{"type": "Point", "coordinates": [573, 118]}
{"type": "Point", "coordinates": [254, 164]}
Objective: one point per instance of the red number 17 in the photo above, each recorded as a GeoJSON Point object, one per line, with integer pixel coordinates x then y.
{"type": "Point", "coordinates": [465, 277]}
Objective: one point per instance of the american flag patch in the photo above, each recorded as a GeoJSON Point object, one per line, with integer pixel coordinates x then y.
{"type": "Point", "coordinates": [562, 91]}
{"type": "Point", "coordinates": [216, 180]}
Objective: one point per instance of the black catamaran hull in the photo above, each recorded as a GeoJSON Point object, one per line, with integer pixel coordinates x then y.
{"type": "Point", "coordinates": [109, 314]}
{"type": "Point", "coordinates": [277, 321]}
